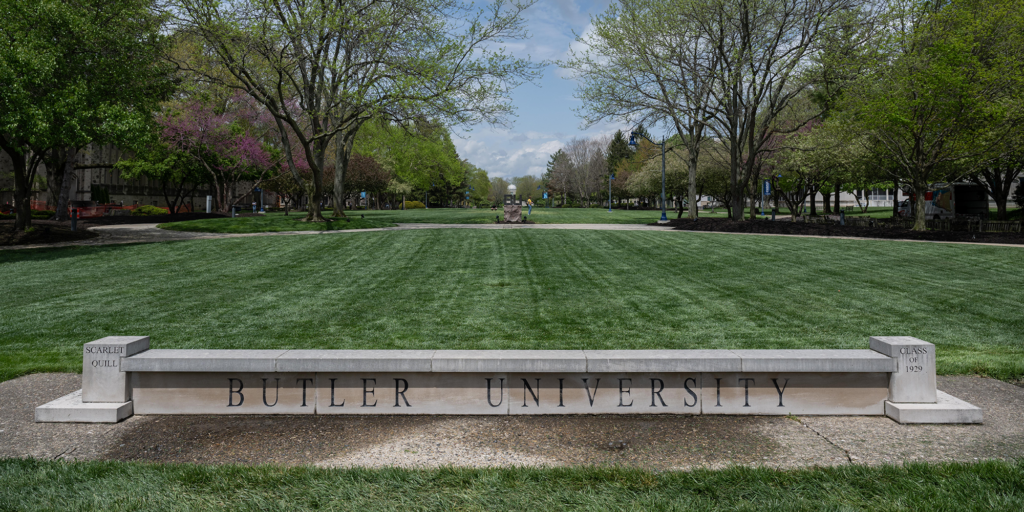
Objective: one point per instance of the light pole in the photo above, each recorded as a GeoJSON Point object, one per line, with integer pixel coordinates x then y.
{"type": "Point", "coordinates": [632, 142]}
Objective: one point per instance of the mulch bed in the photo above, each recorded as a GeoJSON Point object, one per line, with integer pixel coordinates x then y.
{"type": "Point", "coordinates": [42, 232]}
{"type": "Point", "coordinates": [786, 227]}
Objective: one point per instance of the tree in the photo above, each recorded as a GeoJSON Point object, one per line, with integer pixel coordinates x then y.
{"type": "Point", "coordinates": [648, 61]}
{"type": "Point", "coordinates": [618, 150]}
{"type": "Point", "coordinates": [326, 68]}
{"type": "Point", "coordinates": [556, 175]}
{"type": "Point", "coordinates": [367, 174]}
{"type": "Point", "coordinates": [529, 186]}
{"type": "Point", "coordinates": [420, 154]}
{"type": "Point", "coordinates": [224, 145]}
{"type": "Point", "coordinates": [998, 176]}
{"type": "Point", "coordinates": [586, 165]}
{"type": "Point", "coordinates": [497, 190]}
{"type": "Point", "coordinates": [699, 65]}
{"type": "Point", "coordinates": [998, 170]}
{"type": "Point", "coordinates": [179, 174]}
{"type": "Point", "coordinates": [74, 74]}
{"type": "Point", "coordinates": [713, 176]}
{"type": "Point", "coordinates": [946, 88]}
{"type": "Point", "coordinates": [762, 49]}
{"type": "Point", "coordinates": [478, 184]}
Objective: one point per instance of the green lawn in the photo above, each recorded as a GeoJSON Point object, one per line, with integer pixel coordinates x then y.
{"type": "Point", "coordinates": [273, 222]}
{"type": "Point", "coordinates": [361, 219]}
{"type": "Point", "coordinates": [516, 289]}
{"type": "Point", "coordinates": [50, 485]}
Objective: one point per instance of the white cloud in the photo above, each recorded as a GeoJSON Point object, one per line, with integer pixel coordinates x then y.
{"type": "Point", "coordinates": [508, 154]}
{"type": "Point", "coordinates": [545, 118]}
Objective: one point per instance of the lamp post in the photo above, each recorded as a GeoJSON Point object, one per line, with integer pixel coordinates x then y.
{"type": "Point", "coordinates": [632, 142]}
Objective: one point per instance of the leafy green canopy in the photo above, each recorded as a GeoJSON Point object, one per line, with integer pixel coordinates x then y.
{"type": "Point", "coordinates": [74, 73]}
{"type": "Point", "coordinates": [947, 85]}
{"type": "Point", "coordinates": [326, 68]}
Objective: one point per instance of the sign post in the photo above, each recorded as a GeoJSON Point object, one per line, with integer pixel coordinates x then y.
{"type": "Point", "coordinates": [766, 191]}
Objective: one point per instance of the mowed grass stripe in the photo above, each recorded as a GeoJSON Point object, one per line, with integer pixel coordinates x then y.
{"type": "Point", "coordinates": [57, 485]}
{"type": "Point", "coordinates": [516, 289]}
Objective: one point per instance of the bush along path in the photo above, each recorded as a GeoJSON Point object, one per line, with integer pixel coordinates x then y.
{"type": "Point", "coordinates": [787, 227]}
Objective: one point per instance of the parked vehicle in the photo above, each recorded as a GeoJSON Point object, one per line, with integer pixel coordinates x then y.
{"type": "Point", "coordinates": [949, 201]}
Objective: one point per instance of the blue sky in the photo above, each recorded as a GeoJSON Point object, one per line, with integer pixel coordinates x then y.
{"type": "Point", "coordinates": [545, 119]}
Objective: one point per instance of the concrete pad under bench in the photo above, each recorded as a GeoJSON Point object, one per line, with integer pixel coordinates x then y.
{"type": "Point", "coordinates": [71, 409]}
{"type": "Point", "coordinates": [947, 409]}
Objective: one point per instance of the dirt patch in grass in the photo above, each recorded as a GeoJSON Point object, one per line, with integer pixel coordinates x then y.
{"type": "Point", "coordinates": [786, 227]}
{"type": "Point", "coordinates": [40, 232]}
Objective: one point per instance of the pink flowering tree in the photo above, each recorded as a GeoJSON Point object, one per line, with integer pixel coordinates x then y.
{"type": "Point", "coordinates": [227, 145]}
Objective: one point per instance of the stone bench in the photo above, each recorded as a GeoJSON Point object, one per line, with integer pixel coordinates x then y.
{"type": "Point", "coordinates": [125, 374]}
{"type": "Point", "coordinates": [529, 361]}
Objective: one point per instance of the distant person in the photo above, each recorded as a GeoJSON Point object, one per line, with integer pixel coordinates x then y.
{"type": "Point", "coordinates": [529, 206]}
{"type": "Point", "coordinates": [254, 206]}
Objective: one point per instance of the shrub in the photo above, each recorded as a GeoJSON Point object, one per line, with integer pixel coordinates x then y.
{"type": "Point", "coordinates": [42, 214]}
{"type": "Point", "coordinates": [412, 205]}
{"type": "Point", "coordinates": [147, 210]}
{"type": "Point", "coordinates": [99, 194]}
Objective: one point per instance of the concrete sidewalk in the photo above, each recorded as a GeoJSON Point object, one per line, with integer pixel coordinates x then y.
{"type": "Point", "coordinates": [652, 442]}
{"type": "Point", "coordinates": [150, 233]}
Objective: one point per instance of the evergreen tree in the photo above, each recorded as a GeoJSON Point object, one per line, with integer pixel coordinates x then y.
{"type": "Point", "coordinates": [618, 150]}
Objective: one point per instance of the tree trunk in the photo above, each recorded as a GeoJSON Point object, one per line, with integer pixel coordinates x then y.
{"type": "Point", "coordinates": [54, 175]}
{"type": "Point", "coordinates": [64, 195]}
{"type": "Point", "coordinates": [998, 180]}
{"type": "Point", "coordinates": [22, 189]}
{"type": "Point", "coordinates": [814, 201]}
{"type": "Point", "coordinates": [838, 186]}
{"type": "Point", "coordinates": [826, 202]}
{"type": "Point", "coordinates": [315, 190]}
{"type": "Point", "coordinates": [342, 155]}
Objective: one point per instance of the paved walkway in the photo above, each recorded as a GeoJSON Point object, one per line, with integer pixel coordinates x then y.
{"type": "Point", "coordinates": [149, 233]}
{"type": "Point", "coordinates": [656, 442]}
